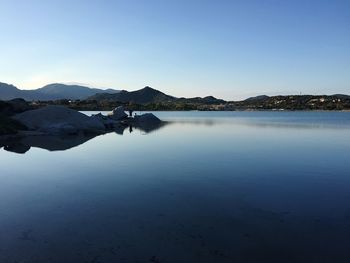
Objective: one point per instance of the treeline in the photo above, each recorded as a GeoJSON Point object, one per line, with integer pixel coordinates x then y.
{"type": "Point", "coordinates": [94, 105]}
{"type": "Point", "coordinates": [293, 102]}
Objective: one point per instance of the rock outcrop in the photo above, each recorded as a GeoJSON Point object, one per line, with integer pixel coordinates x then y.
{"type": "Point", "coordinates": [106, 120]}
{"type": "Point", "coordinates": [19, 105]}
{"type": "Point", "coordinates": [10, 126]}
{"type": "Point", "coordinates": [15, 106]}
{"type": "Point", "coordinates": [146, 118]}
{"type": "Point", "coordinates": [118, 114]}
{"type": "Point", "coordinates": [59, 120]}
{"type": "Point", "coordinates": [146, 122]}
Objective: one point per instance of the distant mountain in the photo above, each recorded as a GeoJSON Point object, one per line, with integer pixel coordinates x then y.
{"type": "Point", "coordinates": [8, 92]}
{"type": "Point", "coordinates": [142, 96]}
{"type": "Point", "coordinates": [57, 91]}
{"type": "Point", "coordinates": [51, 92]}
{"type": "Point", "coordinates": [148, 95]}
{"type": "Point", "coordinates": [74, 92]}
{"type": "Point", "coordinates": [258, 98]}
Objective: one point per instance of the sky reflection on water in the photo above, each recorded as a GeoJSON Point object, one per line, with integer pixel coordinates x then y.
{"type": "Point", "coordinates": [208, 187]}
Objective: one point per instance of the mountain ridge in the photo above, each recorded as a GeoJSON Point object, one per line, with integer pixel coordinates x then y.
{"type": "Point", "coordinates": [147, 98]}
{"type": "Point", "coordinates": [59, 91]}
{"type": "Point", "coordinates": [53, 91]}
{"type": "Point", "coordinates": [142, 96]}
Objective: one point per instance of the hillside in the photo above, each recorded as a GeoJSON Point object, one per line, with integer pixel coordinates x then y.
{"type": "Point", "coordinates": [149, 95]}
{"type": "Point", "coordinates": [85, 98]}
{"type": "Point", "coordinates": [8, 92]}
{"type": "Point", "coordinates": [50, 92]}
{"type": "Point", "coordinates": [74, 92]}
{"type": "Point", "coordinates": [142, 96]}
{"type": "Point", "coordinates": [293, 102]}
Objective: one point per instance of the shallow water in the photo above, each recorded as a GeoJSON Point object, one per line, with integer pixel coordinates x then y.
{"type": "Point", "coordinates": [205, 187]}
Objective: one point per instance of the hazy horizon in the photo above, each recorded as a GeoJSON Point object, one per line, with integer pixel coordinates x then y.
{"type": "Point", "coordinates": [227, 49]}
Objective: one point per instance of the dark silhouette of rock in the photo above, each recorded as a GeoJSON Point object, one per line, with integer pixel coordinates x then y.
{"type": "Point", "coordinates": [48, 142]}
{"type": "Point", "coordinates": [120, 129]}
{"type": "Point", "coordinates": [59, 128]}
{"type": "Point", "coordinates": [147, 122]}
{"type": "Point", "coordinates": [17, 147]}
{"type": "Point", "coordinates": [59, 120]}
{"type": "Point", "coordinates": [11, 107]}
{"type": "Point", "coordinates": [10, 126]}
{"type": "Point", "coordinates": [146, 118]}
{"type": "Point", "coordinates": [118, 114]}
{"type": "Point", "coordinates": [108, 122]}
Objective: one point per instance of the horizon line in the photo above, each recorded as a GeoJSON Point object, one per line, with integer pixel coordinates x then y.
{"type": "Point", "coordinates": [92, 86]}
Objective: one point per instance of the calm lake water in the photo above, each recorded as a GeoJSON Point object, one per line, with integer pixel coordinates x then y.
{"type": "Point", "coordinates": [204, 187]}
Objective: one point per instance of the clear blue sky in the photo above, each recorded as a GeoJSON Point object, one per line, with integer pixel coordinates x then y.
{"type": "Point", "coordinates": [229, 49]}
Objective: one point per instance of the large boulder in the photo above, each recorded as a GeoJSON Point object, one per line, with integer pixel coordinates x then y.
{"type": "Point", "coordinates": [9, 125]}
{"type": "Point", "coordinates": [118, 114]}
{"type": "Point", "coordinates": [19, 105]}
{"type": "Point", "coordinates": [59, 120]}
{"type": "Point", "coordinates": [147, 122]}
{"type": "Point", "coordinates": [146, 118]}
{"type": "Point", "coordinates": [15, 106]}
{"type": "Point", "coordinates": [106, 120]}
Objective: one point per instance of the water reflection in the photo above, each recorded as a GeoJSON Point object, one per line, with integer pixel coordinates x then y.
{"type": "Point", "coordinates": [23, 144]}
{"type": "Point", "coordinates": [257, 120]}
{"type": "Point", "coordinates": [263, 123]}
{"type": "Point", "coordinates": [50, 143]}
{"type": "Point", "coordinates": [145, 127]}
{"type": "Point", "coordinates": [209, 189]}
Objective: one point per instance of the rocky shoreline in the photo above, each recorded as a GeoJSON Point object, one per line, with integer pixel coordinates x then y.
{"type": "Point", "coordinates": [57, 128]}
{"type": "Point", "coordinates": [18, 118]}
